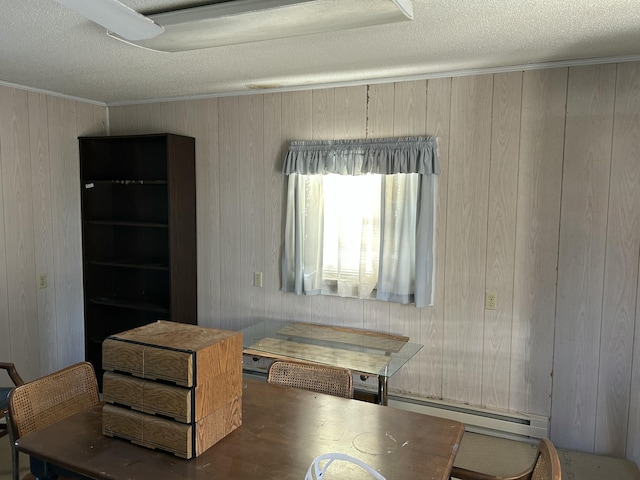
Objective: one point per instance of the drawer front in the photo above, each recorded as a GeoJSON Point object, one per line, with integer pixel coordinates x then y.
{"type": "Point", "coordinates": [169, 401]}
{"type": "Point", "coordinates": [147, 361]}
{"type": "Point", "coordinates": [148, 396]}
{"type": "Point", "coordinates": [148, 431]}
{"type": "Point", "coordinates": [175, 437]}
{"type": "Point", "coordinates": [170, 436]}
{"type": "Point", "coordinates": [171, 365]}
{"type": "Point", "coordinates": [122, 357]}
{"type": "Point", "coordinates": [123, 389]}
{"type": "Point", "coordinates": [123, 423]}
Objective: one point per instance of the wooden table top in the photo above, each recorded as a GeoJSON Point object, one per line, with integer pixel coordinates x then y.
{"type": "Point", "coordinates": [283, 430]}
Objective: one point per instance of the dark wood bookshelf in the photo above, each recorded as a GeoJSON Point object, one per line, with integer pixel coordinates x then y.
{"type": "Point", "coordinates": [138, 234]}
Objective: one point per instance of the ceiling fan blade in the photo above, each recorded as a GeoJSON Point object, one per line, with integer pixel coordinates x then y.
{"type": "Point", "coordinates": [117, 17]}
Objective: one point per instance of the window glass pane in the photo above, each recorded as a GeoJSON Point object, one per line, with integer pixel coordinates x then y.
{"type": "Point", "coordinates": [351, 228]}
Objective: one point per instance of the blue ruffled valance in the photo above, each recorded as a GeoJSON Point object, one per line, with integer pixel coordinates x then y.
{"type": "Point", "coordinates": [384, 156]}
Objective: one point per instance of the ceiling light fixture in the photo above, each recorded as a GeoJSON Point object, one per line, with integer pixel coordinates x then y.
{"type": "Point", "coordinates": [242, 21]}
{"type": "Point", "coordinates": [116, 17]}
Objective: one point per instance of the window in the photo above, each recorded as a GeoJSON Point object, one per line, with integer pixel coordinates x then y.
{"type": "Point", "coordinates": [360, 219]}
{"type": "Point", "coordinates": [351, 234]}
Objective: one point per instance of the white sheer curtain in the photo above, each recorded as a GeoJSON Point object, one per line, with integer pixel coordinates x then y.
{"type": "Point", "coordinates": [403, 219]}
{"type": "Point", "coordinates": [302, 261]}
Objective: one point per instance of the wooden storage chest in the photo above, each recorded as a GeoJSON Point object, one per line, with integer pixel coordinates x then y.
{"type": "Point", "coordinates": [172, 386]}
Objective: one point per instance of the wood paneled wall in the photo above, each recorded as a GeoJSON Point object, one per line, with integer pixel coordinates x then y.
{"type": "Point", "coordinates": [538, 199]}
{"type": "Point", "coordinates": [41, 329]}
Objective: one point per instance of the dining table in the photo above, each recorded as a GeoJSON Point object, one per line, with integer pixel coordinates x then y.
{"type": "Point", "coordinates": [283, 431]}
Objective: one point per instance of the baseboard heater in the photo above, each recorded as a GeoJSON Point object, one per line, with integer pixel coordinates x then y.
{"type": "Point", "coordinates": [498, 423]}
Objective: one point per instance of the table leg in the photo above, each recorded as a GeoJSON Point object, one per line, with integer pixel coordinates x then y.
{"type": "Point", "coordinates": [382, 390]}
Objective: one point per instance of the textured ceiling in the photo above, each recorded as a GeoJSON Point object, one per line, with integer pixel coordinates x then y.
{"type": "Point", "coordinates": [46, 46]}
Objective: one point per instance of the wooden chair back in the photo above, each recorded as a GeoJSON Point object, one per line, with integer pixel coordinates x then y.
{"type": "Point", "coordinates": [310, 376]}
{"type": "Point", "coordinates": [546, 466]}
{"type": "Point", "coordinates": [43, 402]}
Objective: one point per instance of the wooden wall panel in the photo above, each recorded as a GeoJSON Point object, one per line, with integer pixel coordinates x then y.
{"type": "Point", "coordinates": [621, 268]}
{"type": "Point", "coordinates": [465, 256]}
{"type": "Point", "coordinates": [19, 240]}
{"type": "Point", "coordinates": [231, 297]}
{"type": "Point", "coordinates": [40, 229]}
{"type": "Point", "coordinates": [167, 115]}
{"type": "Point", "coordinates": [501, 226]}
{"type": "Point", "coordinates": [323, 114]}
{"type": "Point", "coordinates": [432, 318]}
{"type": "Point", "coordinates": [5, 321]}
{"type": "Point", "coordinates": [633, 429]}
{"type": "Point", "coordinates": [251, 202]}
{"type": "Point", "coordinates": [185, 118]}
{"type": "Point", "coordinates": [274, 188]}
{"type": "Point", "coordinates": [43, 228]}
{"type": "Point", "coordinates": [6, 344]}
{"type": "Point", "coordinates": [380, 108]}
{"type": "Point", "coordinates": [67, 246]}
{"type": "Point", "coordinates": [148, 120]}
{"type": "Point", "coordinates": [145, 118]}
{"type": "Point", "coordinates": [538, 223]}
{"type": "Point", "coordinates": [123, 120]}
{"type": "Point", "coordinates": [585, 197]}
{"type": "Point", "coordinates": [90, 119]}
{"type": "Point", "coordinates": [208, 213]}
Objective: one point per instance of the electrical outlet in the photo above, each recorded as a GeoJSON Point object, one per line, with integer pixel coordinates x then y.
{"type": "Point", "coordinates": [42, 280]}
{"type": "Point", "coordinates": [491, 300]}
{"type": "Point", "coordinates": [257, 279]}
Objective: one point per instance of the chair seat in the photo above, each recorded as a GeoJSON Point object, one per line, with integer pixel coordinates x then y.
{"type": "Point", "coordinates": [546, 466]}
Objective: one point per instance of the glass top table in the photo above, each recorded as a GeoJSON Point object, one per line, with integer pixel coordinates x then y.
{"type": "Point", "coordinates": [362, 351]}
